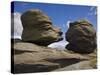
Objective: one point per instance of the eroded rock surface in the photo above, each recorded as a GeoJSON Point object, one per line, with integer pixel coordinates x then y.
{"type": "Point", "coordinates": [81, 36]}
{"type": "Point", "coordinates": [29, 57]}
{"type": "Point", "coordinates": [38, 28]}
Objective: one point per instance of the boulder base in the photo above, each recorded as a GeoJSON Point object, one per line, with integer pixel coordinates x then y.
{"type": "Point", "coordinates": [30, 58]}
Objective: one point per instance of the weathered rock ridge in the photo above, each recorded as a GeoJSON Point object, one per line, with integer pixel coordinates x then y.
{"type": "Point", "coordinates": [29, 57]}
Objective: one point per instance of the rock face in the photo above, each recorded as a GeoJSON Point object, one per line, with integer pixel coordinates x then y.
{"type": "Point", "coordinates": [31, 54]}
{"type": "Point", "coordinates": [30, 58]}
{"type": "Point", "coordinates": [38, 28]}
{"type": "Point", "coordinates": [83, 65]}
{"type": "Point", "coordinates": [81, 36]}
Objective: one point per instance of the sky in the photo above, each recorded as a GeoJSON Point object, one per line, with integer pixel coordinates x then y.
{"type": "Point", "coordinates": [61, 14]}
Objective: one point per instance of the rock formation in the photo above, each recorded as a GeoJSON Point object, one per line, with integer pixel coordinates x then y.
{"type": "Point", "coordinates": [31, 54]}
{"type": "Point", "coordinates": [30, 58]}
{"type": "Point", "coordinates": [38, 28]}
{"type": "Point", "coordinates": [81, 36]}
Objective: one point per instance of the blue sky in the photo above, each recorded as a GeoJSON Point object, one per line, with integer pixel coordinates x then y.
{"type": "Point", "coordinates": [61, 13]}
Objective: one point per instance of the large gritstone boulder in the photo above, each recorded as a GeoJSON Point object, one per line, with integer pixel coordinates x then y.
{"type": "Point", "coordinates": [81, 36]}
{"type": "Point", "coordinates": [38, 28]}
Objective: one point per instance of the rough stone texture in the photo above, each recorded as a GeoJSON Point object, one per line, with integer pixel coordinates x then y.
{"type": "Point", "coordinates": [31, 54]}
{"type": "Point", "coordinates": [83, 65]}
{"type": "Point", "coordinates": [29, 57]}
{"type": "Point", "coordinates": [38, 28]}
{"type": "Point", "coordinates": [81, 36]}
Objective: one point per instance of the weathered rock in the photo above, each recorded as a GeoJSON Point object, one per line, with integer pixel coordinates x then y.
{"type": "Point", "coordinates": [83, 65]}
{"type": "Point", "coordinates": [81, 36]}
{"type": "Point", "coordinates": [29, 57]}
{"type": "Point", "coordinates": [38, 28]}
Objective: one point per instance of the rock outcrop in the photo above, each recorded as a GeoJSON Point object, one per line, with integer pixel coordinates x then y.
{"type": "Point", "coordinates": [81, 36]}
{"type": "Point", "coordinates": [30, 58]}
{"type": "Point", "coordinates": [31, 55]}
{"type": "Point", "coordinates": [38, 28]}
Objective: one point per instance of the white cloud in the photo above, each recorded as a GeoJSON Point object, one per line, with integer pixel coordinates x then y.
{"type": "Point", "coordinates": [67, 24]}
{"type": "Point", "coordinates": [92, 8]}
{"type": "Point", "coordinates": [93, 11]}
{"type": "Point", "coordinates": [58, 45]}
{"type": "Point", "coordinates": [16, 25]}
{"type": "Point", "coordinates": [62, 44]}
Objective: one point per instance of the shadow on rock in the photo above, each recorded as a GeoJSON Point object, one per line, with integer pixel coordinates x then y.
{"type": "Point", "coordinates": [65, 62]}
